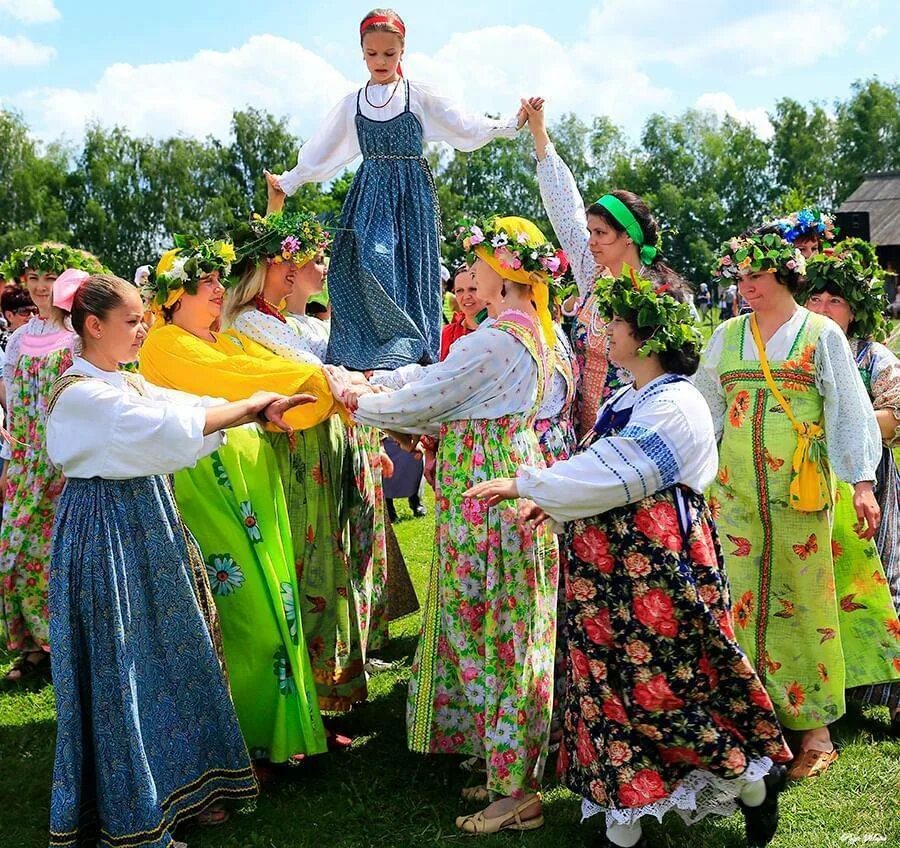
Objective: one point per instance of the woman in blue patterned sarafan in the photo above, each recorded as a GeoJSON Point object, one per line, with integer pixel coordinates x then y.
{"type": "Point", "coordinates": [384, 279]}
{"type": "Point", "coordinates": [147, 734]}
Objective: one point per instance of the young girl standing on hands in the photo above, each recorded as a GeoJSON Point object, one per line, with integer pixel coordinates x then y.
{"type": "Point", "coordinates": [384, 279]}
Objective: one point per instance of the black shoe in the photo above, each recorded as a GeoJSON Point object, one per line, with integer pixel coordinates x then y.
{"type": "Point", "coordinates": [761, 823]}
{"type": "Point", "coordinates": [417, 507]}
{"type": "Point", "coordinates": [389, 505]}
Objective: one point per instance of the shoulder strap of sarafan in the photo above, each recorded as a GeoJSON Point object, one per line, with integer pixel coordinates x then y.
{"type": "Point", "coordinates": [767, 372]}
{"type": "Point", "coordinates": [60, 385]}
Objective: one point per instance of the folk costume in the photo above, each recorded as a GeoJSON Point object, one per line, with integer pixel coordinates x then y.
{"type": "Point", "coordinates": [597, 378]}
{"type": "Point", "coordinates": [314, 467]}
{"type": "Point", "coordinates": [234, 504]}
{"type": "Point", "coordinates": [807, 636]}
{"type": "Point", "coordinates": [662, 708]}
{"type": "Point", "coordinates": [37, 353]}
{"type": "Point", "coordinates": [147, 734]}
{"type": "Point", "coordinates": [855, 275]}
{"type": "Point", "coordinates": [482, 675]}
{"type": "Point", "coordinates": [384, 279]}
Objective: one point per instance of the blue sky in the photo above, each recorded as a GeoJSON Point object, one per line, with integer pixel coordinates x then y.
{"type": "Point", "coordinates": [168, 67]}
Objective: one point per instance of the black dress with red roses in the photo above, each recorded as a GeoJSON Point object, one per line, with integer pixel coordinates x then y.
{"type": "Point", "coordinates": [663, 710]}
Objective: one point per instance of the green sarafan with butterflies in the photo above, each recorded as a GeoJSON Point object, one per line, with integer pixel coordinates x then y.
{"type": "Point", "coordinates": [808, 604]}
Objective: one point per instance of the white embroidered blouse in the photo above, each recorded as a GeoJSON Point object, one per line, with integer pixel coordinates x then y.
{"type": "Point", "coordinates": [335, 144]}
{"type": "Point", "coordinates": [851, 430]}
{"type": "Point", "coordinates": [486, 375]}
{"type": "Point", "coordinates": [105, 427]}
{"type": "Point", "coordinates": [668, 440]}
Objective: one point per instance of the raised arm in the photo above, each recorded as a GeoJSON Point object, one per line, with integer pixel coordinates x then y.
{"type": "Point", "coordinates": [563, 202]}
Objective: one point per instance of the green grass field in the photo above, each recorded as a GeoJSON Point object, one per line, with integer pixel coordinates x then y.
{"type": "Point", "coordinates": [379, 795]}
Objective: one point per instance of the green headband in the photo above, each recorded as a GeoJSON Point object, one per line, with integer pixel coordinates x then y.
{"type": "Point", "coordinates": [624, 216]}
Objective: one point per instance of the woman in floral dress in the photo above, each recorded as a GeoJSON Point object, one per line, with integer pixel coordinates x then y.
{"type": "Point", "coordinates": [662, 710]}
{"type": "Point", "coordinates": [234, 504]}
{"type": "Point", "coordinates": [37, 353]}
{"type": "Point", "coordinates": [807, 639]}
{"type": "Point", "coordinates": [849, 289]}
{"type": "Point", "coordinates": [280, 253]}
{"type": "Point", "coordinates": [482, 678]}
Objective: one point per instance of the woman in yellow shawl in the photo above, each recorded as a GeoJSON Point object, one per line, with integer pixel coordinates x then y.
{"type": "Point", "coordinates": [482, 679]}
{"type": "Point", "coordinates": [233, 501]}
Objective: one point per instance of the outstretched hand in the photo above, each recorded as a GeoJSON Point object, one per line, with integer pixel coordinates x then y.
{"type": "Point", "coordinates": [533, 110]}
{"type": "Point", "coordinates": [275, 411]}
{"type": "Point", "coordinates": [494, 491]}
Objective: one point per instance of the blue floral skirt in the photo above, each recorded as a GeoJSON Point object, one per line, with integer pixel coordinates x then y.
{"type": "Point", "coordinates": [147, 734]}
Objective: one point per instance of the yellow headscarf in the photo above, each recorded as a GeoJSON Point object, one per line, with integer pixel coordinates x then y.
{"type": "Point", "coordinates": [540, 291]}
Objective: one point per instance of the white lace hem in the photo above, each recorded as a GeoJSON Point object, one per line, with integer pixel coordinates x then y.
{"type": "Point", "coordinates": [700, 794]}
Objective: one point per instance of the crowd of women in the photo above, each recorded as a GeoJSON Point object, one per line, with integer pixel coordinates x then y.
{"type": "Point", "coordinates": [666, 563]}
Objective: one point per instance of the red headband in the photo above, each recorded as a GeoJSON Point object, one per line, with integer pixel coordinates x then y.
{"type": "Point", "coordinates": [382, 19]}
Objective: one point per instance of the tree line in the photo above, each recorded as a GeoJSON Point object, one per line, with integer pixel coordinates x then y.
{"type": "Point", "coordinates": [122, 196]}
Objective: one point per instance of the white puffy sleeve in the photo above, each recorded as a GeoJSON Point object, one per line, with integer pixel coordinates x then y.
{"type": "Point", "coordinates": [279, 337]}
{"type": "Point", "coordinates": [667, 441]}
{"type": "Point", "coordinates": [851, 429]}
{"type": "Point", "coordinates": [707, 379]}
{"type": "Point", "coordinates": [98, 430]}
{"type": "Point", "coordinates": [333, 146]}
{"type": "Point", "coordinates": [487, 374]}
{"type": "Point", "coordinates": [444, 120]}
{"type": "Point", "coordinates": [399, 377]}
{"type": "Point", "coordinates": [565, 209]}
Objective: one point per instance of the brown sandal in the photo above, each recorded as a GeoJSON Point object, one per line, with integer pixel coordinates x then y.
{"type": "Point", "coordinates": [478, 823]}
{"type": "Point", "coordinates": [811, 763]}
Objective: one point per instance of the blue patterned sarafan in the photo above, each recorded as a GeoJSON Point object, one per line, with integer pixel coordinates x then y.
{"type": "Point", "coordinates": [384, 280]}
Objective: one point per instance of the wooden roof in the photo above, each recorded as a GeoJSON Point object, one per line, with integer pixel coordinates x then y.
{"type": "Point", "coordinates": [879, 195]}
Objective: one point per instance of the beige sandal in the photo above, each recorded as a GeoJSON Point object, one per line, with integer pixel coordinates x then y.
{"type": "Point", "coordinates": [476, 794]}
{"type": "Point", "coordinates": [478, 823]}
{"type": "Point", "coordinates": [811, 763]}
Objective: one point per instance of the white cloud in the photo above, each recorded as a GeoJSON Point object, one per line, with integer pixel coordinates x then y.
{"type": "Point", "coordinates": [490, 69]}
{"type": "Point", "coordinates": [195, 96]}
{"type": "Point", "coordinates": [723, 104]}
{"type": "Point", "coordinates": [31, 11]}
{"type": "Point", "coordinates": [23, 52]}
{"type": "Point", "coordinates": [766, 44]}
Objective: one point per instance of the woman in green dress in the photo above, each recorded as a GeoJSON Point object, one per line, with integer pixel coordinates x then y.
{"type": "Point", "coordinates": [848, 287]}
{"type": "Point", "coordinates": [775, 505]}
{"type": "Point", "coordinates": [234, 504]}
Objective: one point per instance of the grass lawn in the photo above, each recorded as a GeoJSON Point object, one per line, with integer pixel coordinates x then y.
{"type": "Point", "coordinates": [379, 795]}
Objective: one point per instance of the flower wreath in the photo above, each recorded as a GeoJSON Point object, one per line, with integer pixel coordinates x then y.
{"type": "Point", "coordinates": [281, 237]}
{"type": "Point", "coordinates": [182, 268]}
{"type": "Point", "coordinates": [853, 270]}
{"type": "Point", "coordinates": [758, 252]}
{"type": "Point", "coordinates": [515, 254]}
{"type": "Point", "coordinates": [806, 222]}
{"type": "Point", "coordinates": [645, 305]}
{"type": "Point", "coordinates": [50, 258]}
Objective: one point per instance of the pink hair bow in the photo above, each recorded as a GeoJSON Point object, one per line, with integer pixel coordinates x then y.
{"type": "Point", "coordinates": [66, 286]}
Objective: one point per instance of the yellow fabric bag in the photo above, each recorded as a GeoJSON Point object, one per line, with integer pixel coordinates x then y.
{"type": "Point", "coordinates": [810, 489]}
